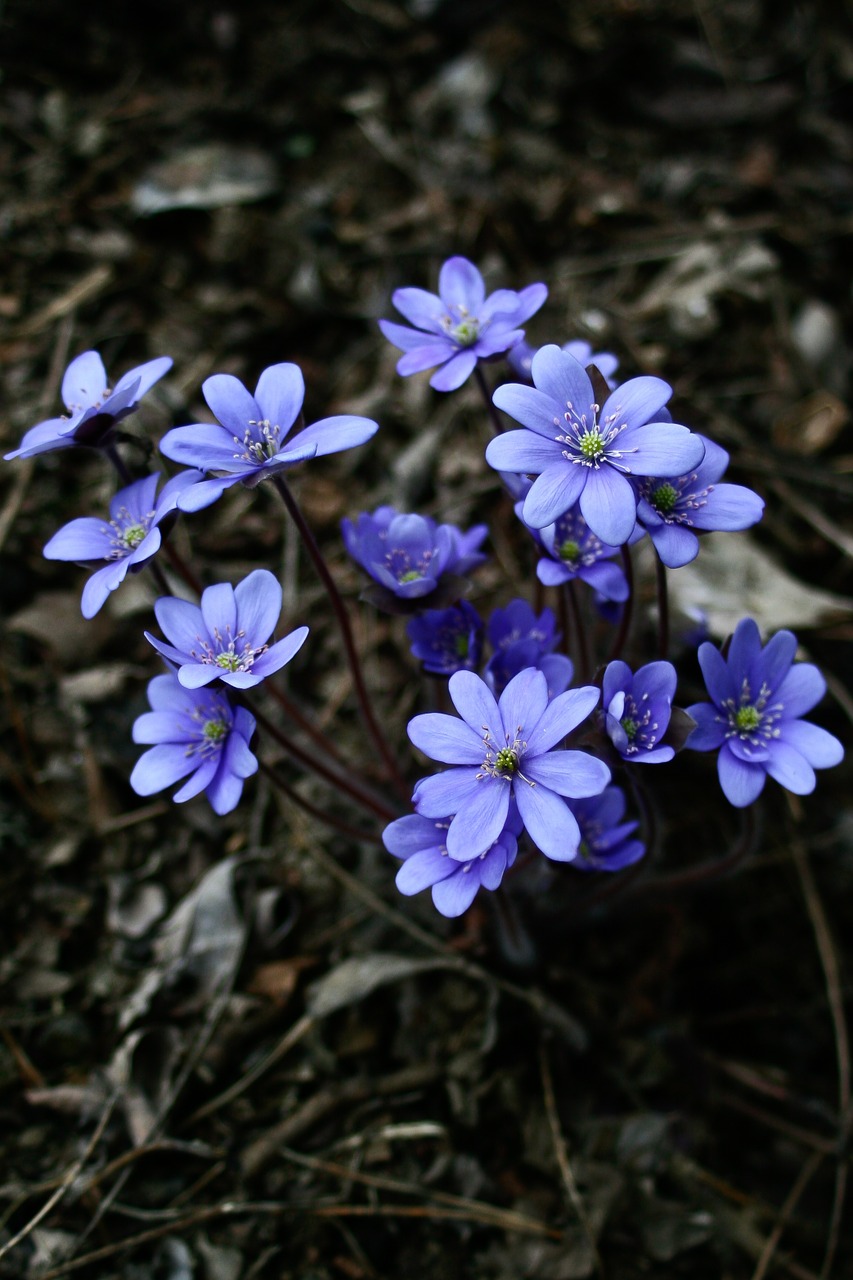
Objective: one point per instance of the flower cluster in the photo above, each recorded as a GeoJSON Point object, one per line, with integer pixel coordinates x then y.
{"type": "Point", "coordinates": [594, 467]}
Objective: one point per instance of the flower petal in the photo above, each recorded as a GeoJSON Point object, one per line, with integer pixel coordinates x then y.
{"type": "Point", "coordinates": [569, 773]}
{"type": "Point", "coordinates": [821, 749]}
{"type": "Point", "coordinates": [802, 689]}
{"type": "Point", "coordinates": [552, 493]}
{"type": "Point", "coordinates": [522, 451]}
{"type": "Point", "coordinates": [790, 768]}
{"type": "Point", "coordinates": [476, 705]}
{"type": "Point", "coordinates": [332, 435]}
{"type": "Point", "coordinates": [533, 409]}
{"type": "Point", "coordinates": [444, 793]}
{"type": "Point", "coordinates": [710, 731]}
{"type": "Point", "coordinates": [455, 894]}
{"type": "Point", "coordinates": [522, 703]}
{"type": "Point", "coordinates": [444, 738]}
{"type": "Point", "coordinates": [741, 782]}
{"type": "Point", "coordinates": [86, 538]}
{"type": "Point", "coordinates": [563, 714]}
{"type": "Point", "coordinates": [549, 822]}
{"type": "Point", "coordinates": [84, 382]}
{"type": "Point", "coordinates": [219, 610]}
{"type": "Point", "coordinates": [422, 309]}
{"type": "Point", "coordinates": [609, 505]}
{"type": "Point", "coordinates": [452, 374]}
{"type": "Point", "coordinates": [637, 402]}
{"type": "Point", "coordinates": [424, 869]}
{"type": "Point", "coordinates": [258, 601]}
{"type": "Point", "coordinates": [279, 395]}
{"type": "Point", "coordinates": [562, 378]}
{"type": "Point", "coordinates": [480, 821]}
{"type": "Point", "coordinates": [231, 403]}
{"type": "Point", "coordinates": [461, 285]}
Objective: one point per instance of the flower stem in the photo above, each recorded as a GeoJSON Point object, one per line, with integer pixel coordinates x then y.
{"type": "Point", "coordinates": [627, 608]}
{"type": "Point", "coordinates": [584, 656]}
{"type": "Point", "coordinates": [663, 607]}
{"type": "Point", "coordinates": [494, 416]}
{"type": "Point", "coordinates": [346, 635]}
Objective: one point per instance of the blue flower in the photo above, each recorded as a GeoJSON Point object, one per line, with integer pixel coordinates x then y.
{"type": "Point", "coordinates": [637, 710]}
{"type": "Point", "coordinates": [459, 326]}
{"type": "Point", "coordinates": [669, 509]}
{"type": "Point", "coordinates": [574, 551]}
{"type": "Point", "coordinates": [226, 638]}
{"type": "Point", "coordinates": [753, 719]}
{"type": "Point", "coordinates": [520, 360]}
{"type": "Point", "coordinates": [447, 640]}
{"type": "Point", "coordinates": [584, 453]}
{"type": "Point", "coordinates": [420, 842]}
{"type": "Point", "coordinates": [93, 409]}
{"type": "Point", "coordinates": [195, 732]}
{"type": "Point", "coordinates": [249, 441]}
{"type": "Point", "coordinates": [127, 541]}
{"type": "Point", "coordinates": [606, 841]}
{"type": "Point", "coordinates": [407, 554]}
{"type": "Point", "coordinates": [505, 750]}
{"type": "Point", "coordinates": [522, 639]}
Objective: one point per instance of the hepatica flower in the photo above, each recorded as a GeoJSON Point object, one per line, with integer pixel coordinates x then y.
{"type": "Point", "coordinates": [125, 542]}
{"type": "Point", "coordinates": [93, 408]}
{"type": "Point", "coordinates": [607, 843]}
{"type": "Point", "coordinates": [637, 710]}
{"type": "Point", "coordinates": [194, 732]}
{"type": "Point", "coordinates": [574, 551]}
{"type": "Point", "coordinates": [520, 359]}
{"type": "Point", "coordinates": [227, 637]}
{"type": "Point", "coordinates": [502, 751]}
{"type": "Point", "coordinates": [420, 842]}
{"type": "Point", "coordinates": [251, 439]}
{"type": "Point", "coordinates": [407, 554]}
{"type": "Point", "coordinates": [585, 453]}
{"type": "Point", "coordinates": [447, 640]}
{"type": "Point", "coordinates": [670, 509]}
{"type": "Point", "coordinates": [522, 639]}
{"type": "Point", "coordinates": [753, 719]}
{"type": "Point", "coordinates": [458, 326]}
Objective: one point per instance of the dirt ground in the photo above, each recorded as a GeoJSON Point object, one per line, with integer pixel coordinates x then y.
{"type": "Point", "coordinates": [230, 1049]}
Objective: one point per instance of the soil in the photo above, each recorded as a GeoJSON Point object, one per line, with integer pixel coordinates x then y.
{"type": "Point", "coordinates": [230, 1049]}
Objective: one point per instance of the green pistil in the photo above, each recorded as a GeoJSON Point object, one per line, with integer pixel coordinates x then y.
{"type": "Point", "coordinates": [591, 445]}
{"type": "Point", "coordinates": [569, 551]}
{"type": "Point", "coordinates": [506, 761]}
{"type": "Point", "coordinates": [747, 719]}
{"type": "Point", "coordinates": [215, 730]}
{"type": "Point", "coordinates": [411, 575]}
{"type": "Point", "coordinates": [630, 727]}
{"type": "Point", "coordinates": [466, 332]}
{"type": "Point", "coordinates": [133, 535]}
{"type": "Point", "coordinates": [664, 498]}
{"type": "Point", "coordinates": [228, 660]}
{"type": "Point", "coordinates": [461, 646]}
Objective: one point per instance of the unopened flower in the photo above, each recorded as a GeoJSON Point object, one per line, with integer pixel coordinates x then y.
{"type": "Point", "coordinates": [520, 359]}
{"type": "Point", "coordinates": [574, 551]}
{"type": "Point", "coordinates": [227, 637]}
{"type": "Point", "coordinates": [502, 751]}
{"type": "Point", "coordinates": [447, 640]}
{"type": "Point", "coordinates": [408, 554]}
{"type": "Point", "coordinates": [670, 509]}
{"type": "Point", "coordinates": [637, 710]}
{"type": "Point", "coordinates": [126, 542]}
{"type": "Point", "coordinates": [194, 732]}
{"type": "Point", "coordinates": [251, 439]}
{"type": "Point", "coordinates": [753, 719]}
{"type": "Point", "coordinates": [520, 638]}
{"type": "Point", "coordinates": [458, 326]}
{"type": "Point", "coordinates": [93, 408]}
{"type": "Point", "coordinates": [585, 453]}
{"type": "Point", "coordinates": [607, 843]}
{"type": "Point", "coordinates": [420, 842]}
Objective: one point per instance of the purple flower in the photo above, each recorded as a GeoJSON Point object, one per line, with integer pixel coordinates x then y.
{"type": "Point", "coordinates": [127, 541]}
{"type": "Point", "coordinates": [447, 640]}
{"type": "Point", "coordinates": [521, 639]}
{"type": "Point", "coordinates": [637, 710]}
{"type": "Point", "coordinates": [574, 551]}
{"type": "Point", "coordinates": [249, 442]}
{"type": "Point", "coordinates": [226, 637]}
{"type": "Point", "coordinates": [520, 360]}
{"type": "Point", "coordinates": [584, 453]}
{"type": "Point", "coordinates": [504, 750]}
{"type": "Point", "coordinates": [670, 509]}
{"type": "Point", "coordinates": [196, 732]}
{"type": "Point", "coordinates": [407, 554]}
{"type": "Point", "coordinates": [757, 697]}
{"type": "Point", "coordinates": [420, 842]}
{"type": "Point", "coordinates": [459, 326]}
{"type": "Point", "coordinates": [93, 409]}
{"type": "Point", "coordinates": [606, 843]}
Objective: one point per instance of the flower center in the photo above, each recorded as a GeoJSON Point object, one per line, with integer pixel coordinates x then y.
{"type": "Point", "coordinates": [261, 441]}
{"type": "Point", "coordinates": [569, 551]}
{"type": "Point", "coordinates": [133, 535]}
{"type": "Point", "coordinates": [461, 645]}
{"type": "Point", "coordinates": [466, 332]}
{"type": "Point", "coordinates": [664, 498]}
{"type": "Point", "coordinates": [411, 575]}
{"type": "Point", "coordinates": [630, 726]}
{"type": "Point", "coordinates": [506, 761]}
{"type": "Point", "coordinates": [747, 719]}
{"type": "Point", "coordinates": [228, 653]}
{"type": "Point", "coordinates": [591, 444]}
{"type": "Point", "coordinates": [215, 731]}
{"type": "Point", "coordinates": [128, 532]}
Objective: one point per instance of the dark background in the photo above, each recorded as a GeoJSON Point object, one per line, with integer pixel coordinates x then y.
{"type": "Point", "coordinates": [680, 176]}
